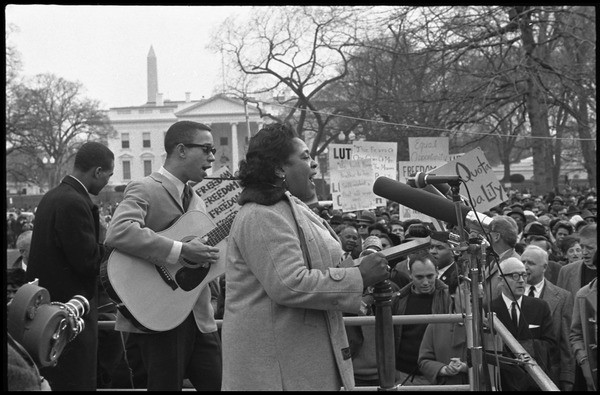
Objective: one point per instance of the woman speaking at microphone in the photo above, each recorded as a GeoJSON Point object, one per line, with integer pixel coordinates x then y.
{"type": "Point", "coordinates": [283, 327]}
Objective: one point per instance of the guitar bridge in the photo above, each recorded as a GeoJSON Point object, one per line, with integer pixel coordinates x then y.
{"type": "Point", "coordinates": [166, 276]}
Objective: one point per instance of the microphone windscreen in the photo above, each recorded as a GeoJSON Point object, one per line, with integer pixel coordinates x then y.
{"type": "Point", "coordinates": [422, 201]}
{"type": "Point", "coordinates": [372, 242]}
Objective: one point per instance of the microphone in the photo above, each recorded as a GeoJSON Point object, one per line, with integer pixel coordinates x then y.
{"type": "Point", "coordinates": [421, 180]}
{"type": "Point", "coordinates": [430, 204]}
{"type": "Point", "coordinates": [370, 245]}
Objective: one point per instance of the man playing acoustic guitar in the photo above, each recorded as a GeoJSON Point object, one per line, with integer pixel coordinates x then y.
{"type": "Point", "coordinates": [150, 266]}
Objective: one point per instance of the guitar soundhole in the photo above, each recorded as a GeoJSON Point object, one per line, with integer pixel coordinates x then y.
{"type": "Point", "coordinates": [189, 279]}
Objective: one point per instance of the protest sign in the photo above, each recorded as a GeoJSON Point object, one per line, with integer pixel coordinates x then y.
{"type": "Point", "coordinates": [408, 168]}
{"type": "Point", "coordinates": [337, 153]}
{"type": "Point", "coordinates": [220, 195]}
{"type": "Point", "coordinates": [355, 178]}
{"type": "Point", "coordinates": [383, 157]}
{"type": "Point", "coordinates": [478, 176]}
{"type": "Point", "coordinates": [428, 148]}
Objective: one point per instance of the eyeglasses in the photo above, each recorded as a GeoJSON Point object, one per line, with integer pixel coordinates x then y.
{"type": "Point", "coordinates": [207, 148]}
{"type": "Point", "coordinates": [516, 276]}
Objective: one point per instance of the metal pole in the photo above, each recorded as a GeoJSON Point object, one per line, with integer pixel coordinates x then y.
{"type": "Point", "coordinates": [384, 336]}
{"type": "Point", "coordinates": [531, 366]}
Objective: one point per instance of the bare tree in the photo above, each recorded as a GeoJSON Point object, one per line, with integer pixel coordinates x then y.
{"type": "Point", "coordinates": [47, 120]}
{"type": "Point", "coordinates": [294, 53]}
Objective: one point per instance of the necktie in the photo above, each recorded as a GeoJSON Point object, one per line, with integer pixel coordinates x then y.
{"type": "Point", "coordinates": [532, 291]}
{"type": "Point", "coordinates": [186, 197]}
{"type": "Point", "coordinates": [513, 314]}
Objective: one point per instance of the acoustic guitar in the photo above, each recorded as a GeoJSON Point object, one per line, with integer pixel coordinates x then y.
{"type": "Point", "coordinates": [156, 298]}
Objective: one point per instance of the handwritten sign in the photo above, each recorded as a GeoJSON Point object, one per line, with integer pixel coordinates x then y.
{"type": "Point", "coordinates": [475, 170]}
{"type": "Point", "coordinates": [383, 160]}
{"type": "Point", "coordinates": [356, 184]}
{"type": "Point", "coordinates": [338, 153]}
{"type": "Point", "coordinates": [428, 148]}
{"type": "Point", "coordinates": [220, 196]}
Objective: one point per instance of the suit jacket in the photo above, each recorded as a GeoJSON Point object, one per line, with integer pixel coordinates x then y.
{"type": "Point", "coordinates": [440, 343]}
{"type": "Point", "coordinates": [560, 302]}
{"type": "Point", "coordinates": [569, 277]}
{"type": "Point", "coordinates": [551, 273]}
{"type": "Point", "coordinates": [65, 255]}
{"type": "Point", "coordinates": [582, 331]}
{"type": "Point", "coordinates": [283, 327]}
{"type": "Point", "coordinates": [149, 206]}
{"type": "Point", "coordinates": [450, 278]}
{"type": "Point", "coordinates": [536, 335]}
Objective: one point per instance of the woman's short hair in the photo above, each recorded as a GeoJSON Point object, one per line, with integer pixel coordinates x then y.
{"type": "Point", "coordinates": [268, 150]}
{"type": "Point", "coordinates": [566, 243]}
{"type": "Point", "coordinates": [562, 224]}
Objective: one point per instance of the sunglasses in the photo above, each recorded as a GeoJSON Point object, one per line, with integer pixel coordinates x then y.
{"type": "Point", "coordinates": [207, 148]}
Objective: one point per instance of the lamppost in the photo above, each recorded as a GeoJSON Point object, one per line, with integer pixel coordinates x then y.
{"type": "Point", "coordinates": [350, 137]}
{"type": "Point", "coordinates": [49, 164]}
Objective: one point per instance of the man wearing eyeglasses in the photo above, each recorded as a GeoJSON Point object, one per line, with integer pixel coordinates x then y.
{"type": "Point", "coordinates": [192, 349]}
{"type": "Point", "coordinates": [560, 301]}
{"type": "Point", "coordinates": [529, 320]}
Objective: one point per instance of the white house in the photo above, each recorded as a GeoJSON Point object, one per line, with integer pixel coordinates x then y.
{"type": "Point", "coordinates": [138, 146]}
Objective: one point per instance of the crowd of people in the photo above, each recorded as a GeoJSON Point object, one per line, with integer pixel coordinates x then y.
{"type": "Point", "coordinates": [294, 269]}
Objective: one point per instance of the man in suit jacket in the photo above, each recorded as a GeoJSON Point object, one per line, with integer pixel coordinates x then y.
{"type": "Point", "coordinates": [444, 260]}
{"type": "Point", "coordinates": [65, 256]}
{"type": "Point", "coordinates": [575, 275]}
{"type": "Point", "coordinates": [503, 238]}
{"type": "Point", "coordinates": [192, 349]}
{"type": "Point", "coordinates": [559, 301]}
{"type": "Point", "coordinates": [532, 326]}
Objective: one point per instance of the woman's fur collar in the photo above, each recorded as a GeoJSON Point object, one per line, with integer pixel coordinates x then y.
{"type": "Point", "coordinates": [263, 196]}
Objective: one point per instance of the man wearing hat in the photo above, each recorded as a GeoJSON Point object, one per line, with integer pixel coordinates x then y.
{"type": "Point", "coordinates": [364, 220]}
{"type": "Point", "coordinates": [444, 259]}
{"type": "Point", "coordinates": [519, 216]}
{"type": "Point", "coordinates": [556, 205]}
{"type": "Point", "coordinates": [588, 216]}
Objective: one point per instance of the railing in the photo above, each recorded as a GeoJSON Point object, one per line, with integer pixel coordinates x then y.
{"type": "Point", "coordinates": [532, 368]}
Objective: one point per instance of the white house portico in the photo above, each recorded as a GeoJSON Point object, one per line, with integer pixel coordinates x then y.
{"type": "Point", "coordinates": [139, 142]}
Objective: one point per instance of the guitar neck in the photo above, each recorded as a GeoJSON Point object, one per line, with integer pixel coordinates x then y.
{"type": "Point", "coordinates": [220, 232]}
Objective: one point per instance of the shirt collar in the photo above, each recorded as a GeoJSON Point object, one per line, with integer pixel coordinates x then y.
{"type": "Point", "coordinates": [509, 301]}
{"type": "Point", "coordinates": [538, 287]}
{"type": "Point", "coordinates": [176, 181]}
{"type": "Point", "coordinates": [75, 178]}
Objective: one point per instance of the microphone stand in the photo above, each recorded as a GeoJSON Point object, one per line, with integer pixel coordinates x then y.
{"type": "Point", "coordinates": [473, 315]}
{"type": "Point", "coordinates": [384, 336]}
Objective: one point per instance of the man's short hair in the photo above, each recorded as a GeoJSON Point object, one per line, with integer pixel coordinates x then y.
{"type": "Point", "coordinates": [539, 250]}
{"type": "Point", "coordinates": [93, 154]}
{"type": "Point", "coordinates": [182, 132]}
{"type": "Point", "coordinates": [420, 256]}
{"type": "Point", "coordinates": [507, 228]}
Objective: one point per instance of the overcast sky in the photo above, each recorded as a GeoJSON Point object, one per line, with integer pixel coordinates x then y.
{"type": "Point", "coordinates": [106, 47]}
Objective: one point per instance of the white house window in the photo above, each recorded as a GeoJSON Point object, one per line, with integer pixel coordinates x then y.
{"type": "Point", "coordinates": [146, 139]}
{"type": "Point", "coordinates": [224, 141]}
{"type": "Point", "coordinates": [126, 170]}
{"type": "Point", "coordinates": [124, 140]}
{"type": "Point", "coordinates": [147, 167]}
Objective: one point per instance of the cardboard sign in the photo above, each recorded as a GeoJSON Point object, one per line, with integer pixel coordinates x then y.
{"type": "Point", "coordinates": [355, 178]}
{"type": "Point", "coordinates": [337, 153]}
{"type": "Point", "coordinates": [428, 148]}
{"type": "Point", "coordinates": [383, 160]}
{"type": "Point", "coordinates": [478, 176]}
{"type": "Point", "coordinates": [220, 196]}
